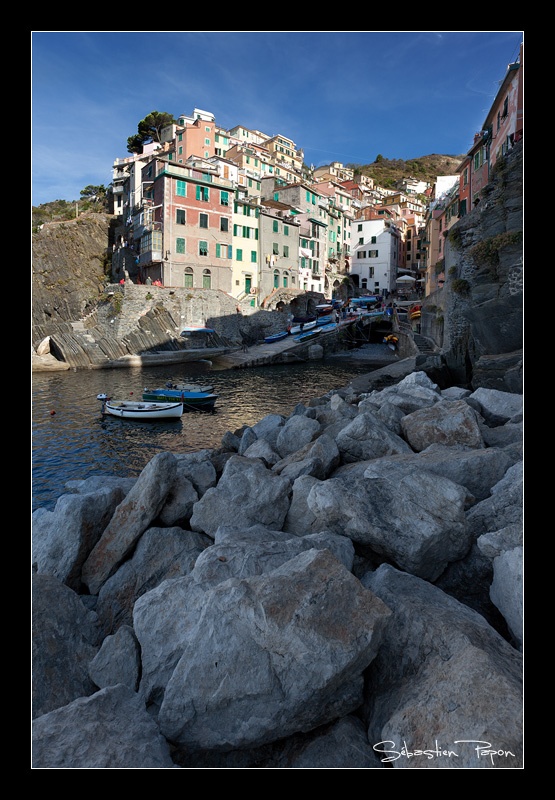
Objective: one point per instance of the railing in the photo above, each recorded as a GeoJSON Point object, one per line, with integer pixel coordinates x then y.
{"type": "Point", "coordinates": [405, 328]}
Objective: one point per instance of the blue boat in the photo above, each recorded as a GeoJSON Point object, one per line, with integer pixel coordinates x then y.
{"type": "Point", "coordinates": [192, 401]}
{"type": "Point", "coordinates": [276, 337]}
{"type": "Point", "coordinates": [303, 327]}
{"type": "Point", "coordinates": [190, 329]}
{"type": "Point", "coordinates": [308, 335]}
{"type": "Point", "coordinates": [331, 326]}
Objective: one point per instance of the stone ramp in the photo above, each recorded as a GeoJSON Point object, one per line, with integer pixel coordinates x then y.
{"type": "Point", "coordinates": [284, 351]}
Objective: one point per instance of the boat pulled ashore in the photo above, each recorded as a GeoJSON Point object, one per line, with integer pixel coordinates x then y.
{"type": "Point", "coordinates": [276, 337]}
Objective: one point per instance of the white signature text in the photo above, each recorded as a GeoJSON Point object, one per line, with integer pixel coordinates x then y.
{"type": "Point", "coordinates": [481, 750]}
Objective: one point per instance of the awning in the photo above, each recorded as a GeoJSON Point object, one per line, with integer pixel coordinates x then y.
{"type": "Point", "coordinates": [305, 252]}
{"type": "Point", "coordinates": [317, 222]}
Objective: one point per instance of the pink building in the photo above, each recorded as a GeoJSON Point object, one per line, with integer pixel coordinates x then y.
{"type": "Point", "coordinates": [506, 116]}
{"type": "Point", "coordinates": [195, 139]}
{"type": "Point", "coordinates": [185, 229]}
{"type": "Point", "coordinates": [502, 129]}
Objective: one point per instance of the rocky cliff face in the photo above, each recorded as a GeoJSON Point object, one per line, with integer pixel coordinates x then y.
{"type": "Point", "coordinates": [480, 308]}
{"type": "Point", "coordinates": [70, 260]}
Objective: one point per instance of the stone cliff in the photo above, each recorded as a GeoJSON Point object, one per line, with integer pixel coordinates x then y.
{"type": "Point", "coordinates": [71, 265]}
{"type": "Point", "coordinates": [477, 318]}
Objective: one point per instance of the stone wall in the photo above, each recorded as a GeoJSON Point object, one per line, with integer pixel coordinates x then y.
{"type": "Point", "coordinates": [204, 307]}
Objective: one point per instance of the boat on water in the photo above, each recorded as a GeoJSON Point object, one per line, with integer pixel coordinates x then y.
{"type": "Point", "coordinates": [191, 401]}
{"type": "Point", "coordinates": [303, 327]}
{"type": "Point", "coordinates": [135, 409]}
{"type": "Point", "coordinates": [276, 337]}
{"type": "Point", "coordinates": [303, 337]}
{"type": "Point", "coordinates": [189, 387]}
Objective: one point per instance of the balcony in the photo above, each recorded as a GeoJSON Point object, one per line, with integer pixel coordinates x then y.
{"type": "Point", "coordinates": [150, 257]}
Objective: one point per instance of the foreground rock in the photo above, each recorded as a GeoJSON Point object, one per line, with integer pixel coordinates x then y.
{"type": "Point", "coordinates": [337, 588]}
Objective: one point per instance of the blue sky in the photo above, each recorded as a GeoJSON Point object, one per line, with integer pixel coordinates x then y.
{"type": "Point", "coordinates": [340, 95]}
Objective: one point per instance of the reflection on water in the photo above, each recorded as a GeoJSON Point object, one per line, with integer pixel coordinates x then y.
{"type": "Point", "coordinates": [71, 440]}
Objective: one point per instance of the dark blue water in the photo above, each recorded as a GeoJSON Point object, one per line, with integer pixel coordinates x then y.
{"type": "Point", "coordinates": [72, 440]}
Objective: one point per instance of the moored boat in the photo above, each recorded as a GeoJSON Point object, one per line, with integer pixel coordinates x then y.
{"type": "Point", "coordinates": [191, 401]}
{"type": "Point", "coordinates": [135, 409]}
{"type": "Point", "coordinates": [189, 387]}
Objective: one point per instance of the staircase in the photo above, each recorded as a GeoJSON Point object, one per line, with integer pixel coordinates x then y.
{"type": "Point", "coordinates": [424, 345]}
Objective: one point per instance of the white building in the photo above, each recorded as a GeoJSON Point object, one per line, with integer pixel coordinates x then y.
{"type": "Point", "coordinates": [375, 253]}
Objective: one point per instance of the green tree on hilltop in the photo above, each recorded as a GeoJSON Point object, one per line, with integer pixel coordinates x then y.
{"type": "Point", "coordinates": [149, 129]}
{"type": "Point", "coordinates": [95, 194]}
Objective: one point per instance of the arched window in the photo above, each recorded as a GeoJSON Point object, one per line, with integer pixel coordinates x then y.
{"type": "Point", "coordinates": [188, 278]}
{"type": "Point", "coordinates": [206, 279]}
{"type": "Point", "coordinates": [276, 279]}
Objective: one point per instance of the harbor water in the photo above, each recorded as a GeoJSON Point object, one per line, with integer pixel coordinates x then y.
{"type": "Point", "coordinates": [73, 440]}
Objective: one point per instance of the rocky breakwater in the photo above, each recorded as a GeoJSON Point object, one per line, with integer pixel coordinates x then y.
{"type": "Point", "coordinates": [339, 588]}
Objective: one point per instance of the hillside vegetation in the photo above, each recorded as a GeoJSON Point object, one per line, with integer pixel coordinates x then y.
{"type": "Point", "coordinates": [386, 172]}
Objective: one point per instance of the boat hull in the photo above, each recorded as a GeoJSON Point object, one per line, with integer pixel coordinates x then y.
{"type": "Point", "coordinates": [276, 337]}
{"type": "Point", "coordinates": [303, 328]}
{"type": "Point", "coordinates": [188, 387]}
{"type": "Point", "coordinates": [304, 337]}
{"type": "Point", "coordinates": [143, 411]}
{"type": "Point", "coordinates": [191, 401]}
